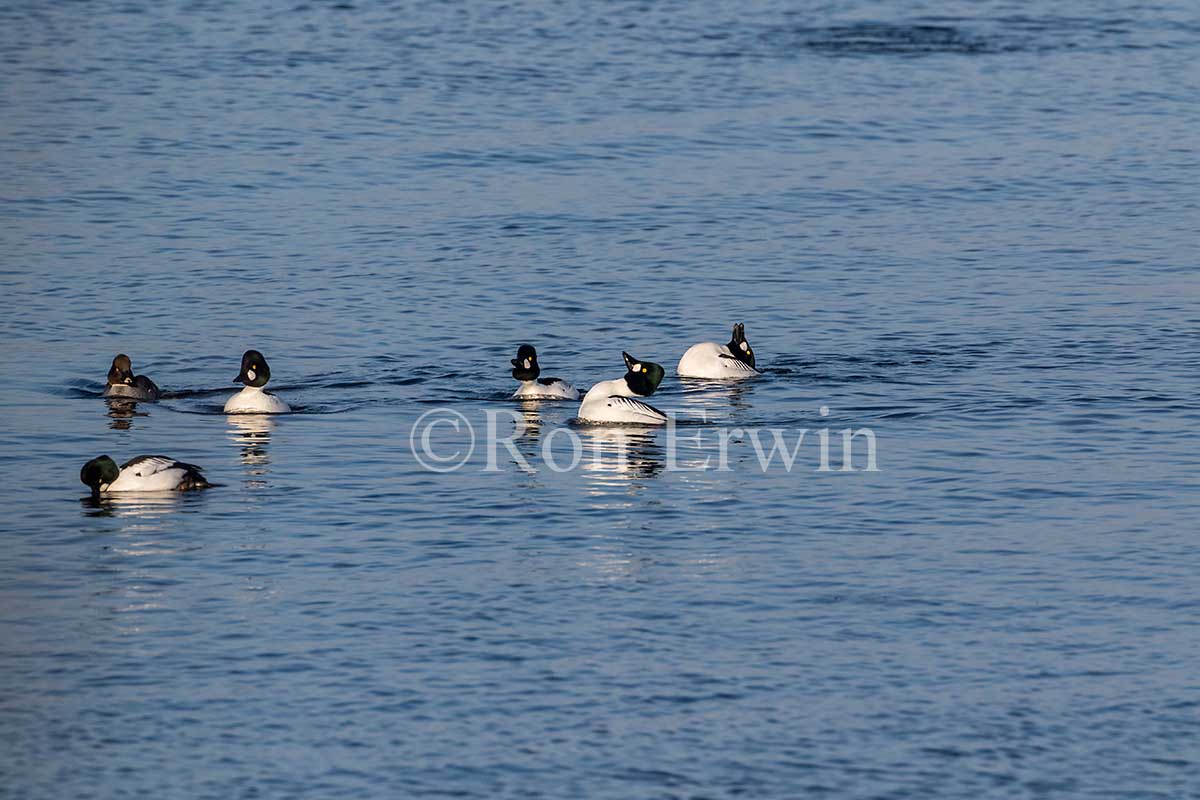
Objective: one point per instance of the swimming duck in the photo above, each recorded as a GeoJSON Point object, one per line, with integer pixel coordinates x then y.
{"type": "Point", "coordinates": [616, 400]}
{"type": "Point", "coordinates": [123, 383]}
{"type": "Point", "coordinates": [720, 361]}
{"type": "Point", "coordinates": [253, 400]}
{"type": "Point", "coordinates": [526, 370]}
{"type": "Point", "coordinates": [141, 474]}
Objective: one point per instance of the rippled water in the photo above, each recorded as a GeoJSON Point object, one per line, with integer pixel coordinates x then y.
{"type": "Point", "coordinates": [969, 227]}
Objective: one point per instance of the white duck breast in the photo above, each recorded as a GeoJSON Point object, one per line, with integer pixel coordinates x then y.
{"type": "Point", "coordinates": [253, 400]}
{"type": "Point", "coordinates": [254, 374]}
{"type": "Point", "coordinates": [154, 474]}
{"type": "Point", "coordinates": [546, 389]}
{"type": "Point", "coordinates": [614, 401]}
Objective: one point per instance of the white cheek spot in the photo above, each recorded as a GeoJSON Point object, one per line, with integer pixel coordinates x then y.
{"type": "Point", "coordinates": [527, 362]}
{"type": "Point", "coordinates": [250, 374]}
{"type": "Point", "coordinates": [636, 368]}
{"type": "Point", "coordinates": [745, 346]}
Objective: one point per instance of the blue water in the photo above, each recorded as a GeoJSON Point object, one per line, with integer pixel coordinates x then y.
{"type": "Point", "coordinates": [970, 227]}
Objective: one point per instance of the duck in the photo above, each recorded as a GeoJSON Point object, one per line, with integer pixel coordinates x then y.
{"type": "Point", "coordinates": [617, 400]}
{"type": "Point", "coordinates": [255, 373]}
{"type": "Point", "coordinates": [141, 474]}
{"type": "Point", "coordinates": [732, 361]}
{"type": "Point", "coordinates": [124, 384]}
{"type": "Point", "coordinates": [526, 370]}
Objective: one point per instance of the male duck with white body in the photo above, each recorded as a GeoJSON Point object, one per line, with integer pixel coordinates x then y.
{"type": "Point", "coordinates": [253, 400]}
{"type": "Point", "coordinates": [714, 361]}
{"type": "Point", "coordinates": [526, 370]}
{"type": "Point", "coordinates": [616, 401]}
{"type": "Point", "coordinates": [141, 474]}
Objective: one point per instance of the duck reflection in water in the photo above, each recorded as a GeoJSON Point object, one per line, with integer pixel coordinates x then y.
{"type": "Point", "coordinates": [145, 507]}
{"type": "Point", "coordinates": [613, 455]}
{"type": "Point", "coordinates": [712, 401]}
{"type": "Point", "coordinates": [525, 432]}
{"type": "Point", "coordinates": [121, 412]}
{"type": "Point", "coordinates": [252, 434]}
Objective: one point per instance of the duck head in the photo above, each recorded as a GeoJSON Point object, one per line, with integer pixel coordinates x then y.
{"type": "Point", "coordinates": [121, 371]}
{"type": "Point", "coordinates": [255, 371]}
{"type": "Point", "coordinates": [525, 365]}
{"type": "Point", "coordinates": [643, 377]}
{"type": "Point", "coordinates": [98, 472]}
{"type": "Point", "coordinates": [740, 348]}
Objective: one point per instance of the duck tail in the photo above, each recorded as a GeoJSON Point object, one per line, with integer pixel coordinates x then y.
{"type": "Point", "coordinates": [193, 479]}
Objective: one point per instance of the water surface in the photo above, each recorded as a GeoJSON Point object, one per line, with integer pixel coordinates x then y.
{"type": "Point", "coordinates": [969, 227]}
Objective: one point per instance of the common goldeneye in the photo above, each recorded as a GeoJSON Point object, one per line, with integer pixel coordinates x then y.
{"type": "Point", "coordinates": [124, 384]}
{"type": "Point", "coordinates": [141, 474]}
{"type": "Point", "coordinates": [253, 400]}
{"type": "Point", "coordinates": [617, 400]}
{"type": "Point", "coordinates": [526, 370]}
{"type": "Point", "coordinates": [720, 361]}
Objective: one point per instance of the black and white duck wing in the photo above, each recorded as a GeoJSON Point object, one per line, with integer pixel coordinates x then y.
{"type": "Point", "coordinates": [188, 475]}
{"type": "Point", "coordinates": [152, 465]}
{"type": "Point", "coordinates": [636, 407]}
{"type": "Point", "coordinates": [560, 388]}
{"type": "Point", "coordinates": [737, 365]}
